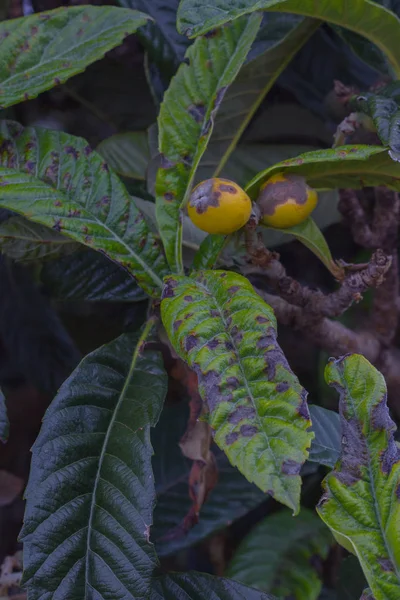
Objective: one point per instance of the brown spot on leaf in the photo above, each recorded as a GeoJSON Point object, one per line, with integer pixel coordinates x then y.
{"type": "Point", "coordinates": [386, 564]}
{"type": "Point", "coordinates": [248, 430]}
{"type": "Point", "coordinates": [212, 344]}
{"type": "Point", "coordinates": [168, 196]}
{"type": "Point", "coordinates": [390, 456]}
{"type": "Point", "coordinates": [190, 342]}
{"type": "Point", "coordinates": [233, 289]}
{"type": "Point", "coordinates": [188, 298]}
{"type": "Point", "coordinates": [168, 290]}
{"type": "Point", "coordinates": [75, 212]}
{"type": "Point", "coordinates": [241, 413]}
{"type": "Point", "coordinates": [380, 418]}
{"type": "Point", "coordinates": [282, 387]}
{"type": "Point", "coordinates": [57, 81]}
{"type": "Point", "coordinates": [165, 163]}
{"type": "Point", "coordinates": [261, 319]}
{"type": "Point", "coordinates": [72, 152]}
{"type": "Point", "coordinates": [197, 111]}
{"type": "Point", "coordinates": [58, 225]}
{"type": "Point", "coordinates": [30, 167]}
{"type": "Point", "coordinates": [87, 150]}
{"type": "Point", "coordinates": [291, 467]}
{"type": "Point", "coordinates": [104, 167]}
{"type": "Point", "coordinates": [177, 324]}
{"type": "Point", "coordinates": [210, 34]}
{"type": "Point", "coordinates": [231, 438]}
{"type": "Point", "coordinates": [302, 409]}
{"type": "Point", "coordinates": [232, 382]}
{"type": "Point", "coordinates": [214, 313]}
{"type": "Point", "coordinates": [58, 203]}
{"type": "Point", "coordinates": [211, 385]}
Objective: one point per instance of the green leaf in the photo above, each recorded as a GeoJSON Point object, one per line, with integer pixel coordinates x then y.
{"type": "Point", "coordinates": [231, 498]}
{"type": "Point", "coordinates": [127, 153]}
{"type": "Point", "coordinates": [195, 18]}
{"type": "Point", "coordinates": [89, 276]}
{"type": "Point", "coordinates": [4, 423]}
{"type": "Point", "coordinates": [199, 586]}
{"type": "Point", "coordinates": [186, 121]}
{"type": "Point", "coordinates": [309, 234]}
{"type": "Point", "coordinates": [325, 447]}
{"type": "Point", "coordinates": [361, 499]}
{"type": "Point", "coordinates": [56, 179]}
{"type": "Point", "coordinates": [209, 251]}
{"type": "Point", "coordinates": [91, 491]}
{"type": "Point", "coordinates": [245, 95]}
{"type": "Point", "coordinates": [283, 556]}
{"type": "Point", "coordinates": [43, 50]}
{"type": "Point", "coordinates": [25, 241]}
{"type": "Point", "coordinates": [225, 332]}
{"type": "Point", "coordinates": [344, 167]}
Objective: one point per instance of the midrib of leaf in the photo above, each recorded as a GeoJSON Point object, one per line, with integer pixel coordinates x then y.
{"type": "Point", "coordinates": [246, 385]}
{"type": "Point", "coordinates": [147, 329]}
{"type": "Point", "coordinates": [112, 234]}
{"type": "Point", "coordinates": [202, 148]}
{"type": "Point", "coordinates": [250, 114]}
{"type": "Point", "coordinates": [91, 40]}
{"type": "Point", "coordinates": [375, 500]}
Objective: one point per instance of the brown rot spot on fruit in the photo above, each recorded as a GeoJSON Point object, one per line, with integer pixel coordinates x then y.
{"type": "Point", "coordinates": [231, 438]}
{"type": "Point", "coordinates": [225, 187]}
{"type": "Point", "coordinates": [190, 342]}
{"type": "Point", "coordinates": [197, 111]}
{"type": "Point", "coordinates": [279, 192]}
{"type": "Point", "coordinates": [291, 467]}
{"type": "Point", "coordinates": [204, 196]}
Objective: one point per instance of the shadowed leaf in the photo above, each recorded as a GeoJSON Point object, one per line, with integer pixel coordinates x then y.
{"type": "Point", "coordinates": [55, 179]}
{"type": "Point", "coordinates": [199, 586]}
{"type": "Point", "coordinates": [25, 241]}
{"type": "Point", "coordinates": [186, 121]}
{"type": "Point", "coordinates": [89, 276]}
{"type": "Point", "coordinates": [127, 153]}
{"type": "Point", "coordinates": [226, 333]}
{"type": "Point", "coordinates": [361, 499]}
{"type": "Point", "coordinates": [196, 17]}
{"type": "Point", "coordinates": [284, 556]}
{"type": "Point", "coordinates": [89, 509]}
{"type": "Point", "coordinates": [325, 447]}
{"type": "Point", "coordinates": [4, 424]}
{"type": "Point", "coordinates": [41, 51]}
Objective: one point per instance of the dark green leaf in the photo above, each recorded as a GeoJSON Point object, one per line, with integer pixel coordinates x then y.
{"type": "Point", "coordinates": [199, 586]}
{"type": "Point", "coordinates": [231, 498]}
{"type": "Point", "coordinates": [165, 46]}
{"type": "Point", "coordinates": [325, 447]}
{"type": "Point", "coordinates": [209, 251]}
{"type": "Point", "coordinates": [186, 121]}
{"type": "Point", "coordinates": [361, 499]}
{"type": "Point", "coordinates": [351, 581]}
{"type": "Point", "coordinates": [91, 277]}
{"type": "Point", "coordinates": [4, 423]}
{"type": "Point", "coordinates": [248, 90]}
{"type": "Point", "coordinates": [56, 179]}
{"type": "Point", "coordinates": [225, 332]}
{"type": "Point", "coordinates": [127, 153]}
{"type": "Point", "coordinates": [309, 234]}
{"type": "Point", "coordinates": [25, 241]}
{"type": "Point", "coordinates": [385, 114]}
{"type": "Point", "coordinates": [195, 18]}
{"type": "Point", "coordinates": [91, 491]}
{"type": "Point", "coordinates": [283, 556]}
{"type": "Point", "coordinates": [43, 50]}
{"type": "Point", "coordinates": [345, 167]}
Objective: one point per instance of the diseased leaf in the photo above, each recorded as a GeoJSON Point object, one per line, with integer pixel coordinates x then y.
{"type": "Point", "coordinates": [232, 497]}
{"type": "Point", "coordinates": [248, 90]}
{"type": "Point", "coordinates": [345, 167]}
{"type": "Point", "coordinates": [91, 490]}
{"type": "Point", "coordinates": [186, 121]}
{"type": "Point", "coordinates": [55, 179]}
{"type": "Point", "coordinates": [4, 423]}
{"type": "Point", "coordinates": [283, 556]}
{"type": "Point", "coordinates": [309, 234]}
{"type": "Point", "coordinates": [127, 153]}
{"type": "Point", "coordinates": [25, 241]}
{"type": "Point", "coordinates": [45, 49]}
{"type": "Point", "coordinates": [325, 447]}
{"type": "Point", "coordinates": [89, 276]}
{"type": "Point", "coordinates": [226, 333]}
{"type": "Point", "coordinates": [361, 499]}
{"type": "Point", "coordinates": [196, 17]}
{"type": "Point", "coordinates": [199, 586]}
